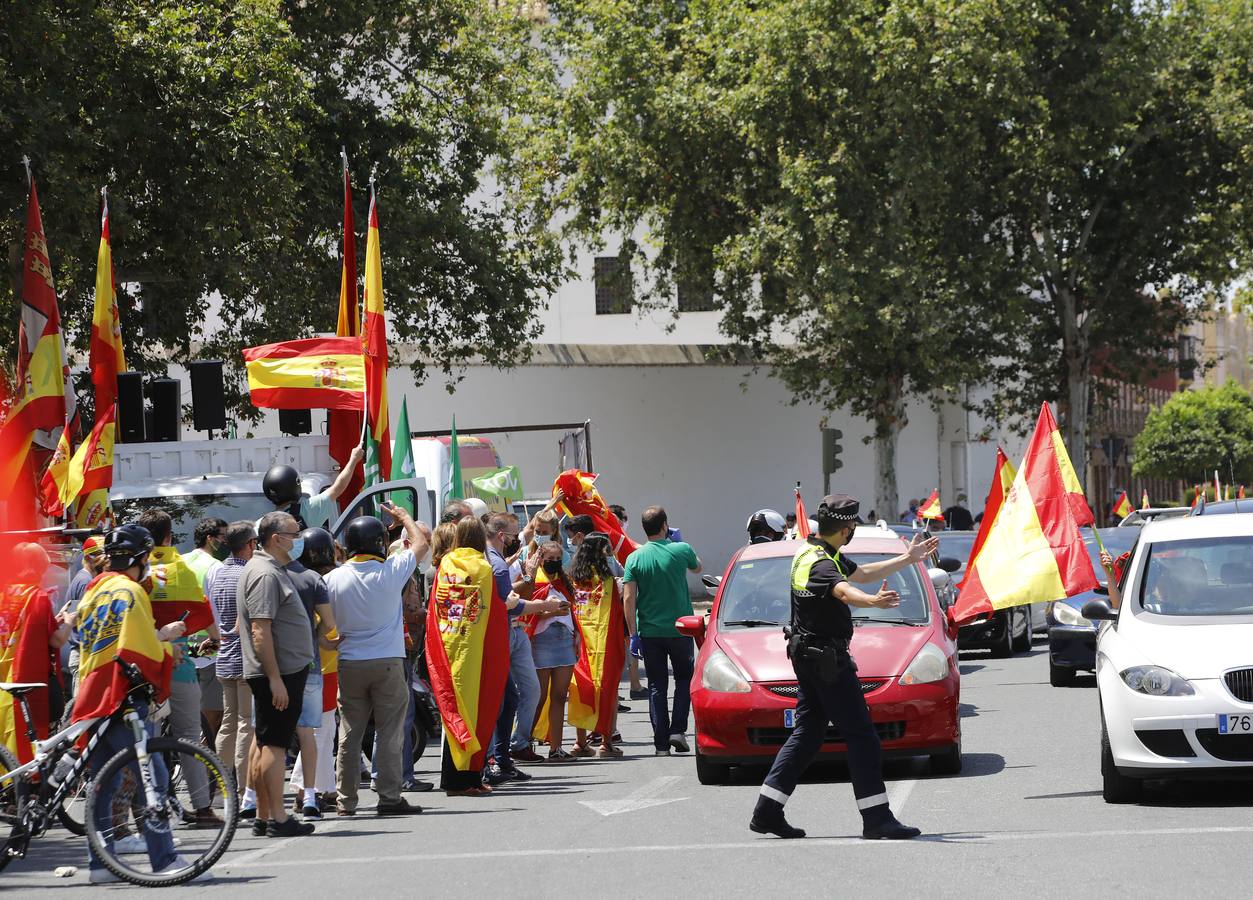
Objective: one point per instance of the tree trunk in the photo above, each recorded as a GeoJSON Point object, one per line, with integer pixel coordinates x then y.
{"type": "Point", "coordinates": [1078, 384]}
{"type": "Point", "coordinates": [889, 420]}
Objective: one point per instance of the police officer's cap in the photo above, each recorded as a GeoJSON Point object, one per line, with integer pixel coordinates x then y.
{"type": "Point", "coordinates": [838, 508]}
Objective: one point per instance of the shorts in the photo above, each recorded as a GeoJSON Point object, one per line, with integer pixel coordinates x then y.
{"type": "Point", "coordinates": [311, 705]}
{"type": "Point", "coordinates": [210, 688]}
{"type": "Point", "coordinates": [276, 727]}
{"type": "Point", "coordinates": [553, 647]}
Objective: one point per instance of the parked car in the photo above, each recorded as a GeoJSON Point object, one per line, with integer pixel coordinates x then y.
{"type": "Point", "coordinates": [1222, 507]}
{"type": "Point", "coordinates": [1004, 631]}
{"type": "Point", "coordinates": [1175, 669]}
{"type": "Point", "coordinates": [1072, 638]}
{"type": "Point", "coordinates": [744, 689]}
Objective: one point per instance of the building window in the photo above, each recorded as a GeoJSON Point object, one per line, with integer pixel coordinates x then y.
{"type": "Point", "coordinates": [615, 287]}
{"type": "Point", "coordinates": [694, 281]}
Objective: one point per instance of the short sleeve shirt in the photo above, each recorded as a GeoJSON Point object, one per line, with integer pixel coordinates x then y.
{"type": "Point", "coordinates": [312, 591]}
{"type": "Point", "coordinates": [659, 570]}
{"type": "Point", "coordinates": [318, 510]}
{"type": "Point", "coordinates": [825, 614]}
{"type": "Point", "coordinates": [365, 598]}
{"type": "Point", "coordinates": [266, 592]}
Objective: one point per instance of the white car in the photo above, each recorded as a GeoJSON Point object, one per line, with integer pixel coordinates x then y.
{"type": "Point", "coordinates": [1175, 665]}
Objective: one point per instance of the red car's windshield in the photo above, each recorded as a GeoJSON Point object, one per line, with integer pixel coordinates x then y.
{"type": "Point", "coordinates": [757, 591]}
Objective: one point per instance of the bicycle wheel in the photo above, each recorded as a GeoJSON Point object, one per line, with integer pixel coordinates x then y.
{"type": "Point", "coordinates": [200, 847]}
{"type": "Point", "coordinates": [73, 809]}
{"type": "Point", "coordinates": [12, 801]}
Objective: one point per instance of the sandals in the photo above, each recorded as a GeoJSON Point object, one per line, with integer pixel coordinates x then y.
{"type": "Point", "coordinates": [583, 752]}
{"type": "Point", "coordinates": [610, 753]}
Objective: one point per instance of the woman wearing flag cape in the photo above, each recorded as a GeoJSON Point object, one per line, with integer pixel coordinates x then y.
{"type": "Point", "coordinates": [599, 616]}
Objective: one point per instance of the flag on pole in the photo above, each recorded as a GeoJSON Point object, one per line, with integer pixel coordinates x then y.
{"type": "Point", "coordinates": [1075, 494]}
{"type": "Point", "coordinates": [580, 497]}
{"type": "Point", "coordinates": [456, 490]}
{"type": "Point", "coordinates": [1144, 499]}
{"type": "Point", "coordinates": [375, 341]}
{"type": "Point", "coordinates": [343, 426]}
{"type": "Point", "coordinates": [1197, 494]}
{"type": "Point", "coordinates": [1240, 493]}
{"type": "Point", "coordinates": [802, 517]}
{"type": "Point", "coordinates": [370, 464]}
{"type": "Point", "coordinates": [107, 358]}
{"type": "Point", "coordinates": [1122, 506]}
{"type": "Point", "coordinates": [89, 470]}
{"type": "Point", "coordinates": [931, 508]}
{"type": "Point", "coordinates": [314, 373]}
{"type": "Point", "coordinates": [1034, 551]}
{"type": "Point", "coordinates": [504, 483]}
{"type": "Point", "coordinates": [403, 466]}
{"type": "Point", "coordinates": [1218, 489]}
{"type": "Point", "coordinates": [1002, 480]}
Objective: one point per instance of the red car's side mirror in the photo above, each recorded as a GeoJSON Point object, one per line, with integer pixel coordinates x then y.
{"type": "Point", "coordinates": [693, 627]}
{"type": "Point", "coordinates": [951, 625]}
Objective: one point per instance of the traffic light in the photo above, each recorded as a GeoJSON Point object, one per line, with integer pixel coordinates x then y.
{"type": "Point", "coordinates": [831, 450]}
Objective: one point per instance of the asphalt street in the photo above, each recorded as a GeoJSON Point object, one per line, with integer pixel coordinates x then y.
{"type": "Point", "coordinates": [1025, 816]}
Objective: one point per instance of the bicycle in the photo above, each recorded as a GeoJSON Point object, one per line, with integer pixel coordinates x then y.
{"type": "Point", "coordinates": [31, 794]}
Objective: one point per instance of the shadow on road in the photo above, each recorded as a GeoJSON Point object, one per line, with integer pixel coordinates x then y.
{"type": "Point", "coordinates": [969, 668]}
{"type": "Point", "coordinates": [1066, 795]}
{"type": "Point", "coordinates": [1198, 794]}
{"type": "Point", "coordinates": [974, 765]}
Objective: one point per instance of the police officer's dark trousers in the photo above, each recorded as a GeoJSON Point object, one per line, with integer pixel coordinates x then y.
{"type": "Point", "coordinates": [820, 701]}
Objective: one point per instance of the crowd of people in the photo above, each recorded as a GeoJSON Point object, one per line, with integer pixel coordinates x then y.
{"type": "Point", "coordinates": [278, 640]}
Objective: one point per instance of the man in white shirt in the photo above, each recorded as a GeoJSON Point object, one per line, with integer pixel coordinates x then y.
{"type": "Point", "coordinates": [365, 596]}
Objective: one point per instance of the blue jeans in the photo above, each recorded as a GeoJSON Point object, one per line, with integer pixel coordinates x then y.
{"type": "Point", "coordinates": [660, 655]}
{"type": "Point", "coordinates": [526, 682]}
{"type": "Point", "coordinates": [160, 840]}
{"type": "Point", "coordinates": [406, 759]}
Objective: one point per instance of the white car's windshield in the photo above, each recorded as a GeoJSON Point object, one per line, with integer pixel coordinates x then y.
{"type": "Point", "coordinates": [1206, 577]}
{"type": "Point", "coordinates": [188, 509]}
{"type": "Point", "coordinates": [757, 592]}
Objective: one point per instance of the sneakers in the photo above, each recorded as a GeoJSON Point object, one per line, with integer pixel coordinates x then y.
{"type": "Point", "coordinates": [641, 694]}
{"type": "Point", "coordinates": [526, 755]}
{"type": "Point", "coordinates": [311, 812]}
{"type": "Point", "coordinates": [889, 830]}
{"type": "Point", "coordinates": [401, 807]}
{"type": "Point", "coordinates": [622, 707]}
{"type": "Point", "coordinates": [493, 775]}
{"type": "Point", "coordinates": [559, 756]}
{"type": "Point", "coordinates": [103, 876]}
{"type": "Point", "coordinates": [679, 743]}
{"type": "Point", "coordinates": [289, 827]}
{"type": "Point", "coordinates": [416, 786]}
{"type": "Point", "coordinates": [247, 812]}
{"type": "Point", "coordinates": [204, 818]}
{"type": "Point", "coordinates": [778, 827]}
{"type": "Point", "coordinates": [180, 862]}
{"type": "Point", "coordinates": [513, 773]}
{"type": "Point", "coordinates": [128, 845]}
{"type": "Point", "coordinates": [661, 753]}
{"type": "Point", "coordinates": [259, 827]}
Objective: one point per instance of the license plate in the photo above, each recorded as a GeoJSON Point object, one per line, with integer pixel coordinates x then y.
{"type": "Point", "coordinates": [789, 718]}
{"type": "Point", "coordinates": [1241, 723]}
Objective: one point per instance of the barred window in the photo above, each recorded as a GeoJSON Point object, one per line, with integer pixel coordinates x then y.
{"type": "Point", "coordinates": [694, 281]}
{"type": "Point", "coordinates": [615, 287]}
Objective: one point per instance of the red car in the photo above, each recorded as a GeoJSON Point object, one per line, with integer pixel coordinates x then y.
{"type": "Point", "coordinates": [744, 690]}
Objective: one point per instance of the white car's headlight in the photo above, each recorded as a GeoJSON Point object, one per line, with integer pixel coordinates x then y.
{"type": "Point", "coordinates": [1065, 614]}
{"type": "Point", "coordinates": [1156, 681]}
{"type": "Point", "coordinates": [928, 666]}
{"type": "Point", "coordinates": [720, 674]}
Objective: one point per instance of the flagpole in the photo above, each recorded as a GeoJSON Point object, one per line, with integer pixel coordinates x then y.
{"type": "Point", "coordinates": [26, 163]}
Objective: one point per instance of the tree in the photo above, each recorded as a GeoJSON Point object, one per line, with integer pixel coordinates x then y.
{"type": "Point", "coordinates": [1196, 433]}
{"type": "Point", "coordinates": [218, 126]}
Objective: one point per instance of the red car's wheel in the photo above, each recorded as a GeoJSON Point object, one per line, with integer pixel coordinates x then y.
{"type": "Point", "coordinates": [708, 772]}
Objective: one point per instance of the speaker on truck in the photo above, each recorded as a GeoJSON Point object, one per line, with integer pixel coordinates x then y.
{"type": "Point", "coordinates": [130, 407]}
{"type": "Point", "coordinates": [295, 421]}
{"type": "Point", "coordinates": [208, 400]}
{"type": "Point", "coordinates": [167, 418]}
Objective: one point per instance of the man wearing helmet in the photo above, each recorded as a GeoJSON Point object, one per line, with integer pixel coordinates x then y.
{"type": "Point", "coordinates": [366, 599]}
{"type": "Point", "coordinates": [281, 486]}
{"type": "Point", "coordinates": [765, 526]}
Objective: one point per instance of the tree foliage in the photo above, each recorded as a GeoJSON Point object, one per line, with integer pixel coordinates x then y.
{"type": "Point", "coordinates": [1196, 433]}
{"type": "Point", "coordinates": [218, 125]}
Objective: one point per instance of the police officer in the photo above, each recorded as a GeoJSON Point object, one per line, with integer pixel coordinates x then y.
{"type": "Point", "coordinates": [765, 526]}
{"type": "Point", "coordinates": [281, 486]}
{"type": "Point", "coordinates": [829, 689]}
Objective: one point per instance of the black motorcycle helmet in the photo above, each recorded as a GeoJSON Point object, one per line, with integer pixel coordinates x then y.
{"type": "Point", "coordinates": [366, 534]}
{"type": "Point", "coordinates": [766, 524]}
{"type": "Point", "coordinates": [319, 552]}
{"type": "Point", "coordinates": [281, 484]}
{"type": "Point", "coordinates": [127, 546]}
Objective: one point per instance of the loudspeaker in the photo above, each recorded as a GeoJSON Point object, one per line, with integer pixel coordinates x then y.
{"type": "Point", "coordinates": [295, 421]}
{"type": "Point", "coordinates": [167, 419]}
{"type": "Point", "coordinates": [130, 408]}
{"type": "Point", "coordinates": [208, 402]}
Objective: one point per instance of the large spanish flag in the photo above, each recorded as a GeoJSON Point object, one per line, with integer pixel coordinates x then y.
{"type": "Point", "coordinates": [467, 653]}
{"type": "Point", "coordinates": [107, 357]}
{"type": "Point", "coordinates": [1122, 506]}
{"type": "Point", "coordinates": [1075, 495]}
{"type": "Point", "coordinates": [598, 614]}
{"type": "Point", "coordinates": [1002, 481]}
{"type": "Point", "coordinates": [930, 508]}
{"type": "Point", "coordinates": [1033, 551]}
{"type": "Point", "coordinates": [375, 342]}
{"type": "Point", "coordinates": [115, 620]}
{"type": "Point", "coordinates": [343, 426]}
{"type": "Point", "coordinates": [26, 627]}
{"type": "Point", "coordinates": [314, 373]}
{"type": "Point", "coordinates": [175, 592]}
{"type": "Point", "coordinates": [582, 498]}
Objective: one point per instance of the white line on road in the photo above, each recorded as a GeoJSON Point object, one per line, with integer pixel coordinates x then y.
{"type": "Point", "coordinates": [641, 798]}
{"type": "Point", "coordinates": [759, 844]}
{"type": "Point", "coordinates": [249, 859]}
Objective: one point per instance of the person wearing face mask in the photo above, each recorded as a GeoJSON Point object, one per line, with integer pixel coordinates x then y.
{"type": "Point", "coordinates": [552, 646]}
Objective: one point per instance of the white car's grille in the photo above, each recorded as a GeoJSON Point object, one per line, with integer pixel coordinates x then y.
{"type": "Point", "coordinates": [1240, 683]}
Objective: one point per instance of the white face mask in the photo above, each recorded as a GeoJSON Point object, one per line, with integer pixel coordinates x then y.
{"type": "Point", "coordinates": [542, 539]}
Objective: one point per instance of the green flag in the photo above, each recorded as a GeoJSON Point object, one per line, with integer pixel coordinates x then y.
{"type": "Point", "coordinates": [371, 464]}
{"type": "Point", "coordinates": [455, 489]}
{"type": "Point", "coordinates": [504, 483]}
{"type": "Point", "coordinates": [402, 459]}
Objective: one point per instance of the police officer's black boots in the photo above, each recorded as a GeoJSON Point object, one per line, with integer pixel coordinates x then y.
{"type": "Point", "coordinates": [768, 819]}
{"type": "Point", "coordinates": [887, 828]}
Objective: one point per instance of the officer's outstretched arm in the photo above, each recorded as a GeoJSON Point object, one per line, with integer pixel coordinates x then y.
{"type": "Point", "coordinates": [847, 593]}
{"type": "Point", "coordinates": [919, 549]}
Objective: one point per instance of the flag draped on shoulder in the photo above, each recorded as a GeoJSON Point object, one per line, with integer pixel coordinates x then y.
{"type": "Point", "coordinates": [314, 373]}
{"type": "Point", "coordinates": [375, 342]}
{"type": "Point", "coordinates": [931, 507]}
{"type": "Point", "coordinates": [343, 426]}
{"type": "Point", "coordinates": [107, 356]}
{"type": "Point", "coordinates": [175, 592]}
{"type": "Point", "coordinates": [1033, 550]}
{"type": "Point", "coordinates": [26, 627]}
{"type": "Point", "coordinates": [599, 617]}
{"type": "Point", "coordinates": [1122, 506]}
{"type": "Point", "coordinates": [467, 651]}
{"type": "Point", "coordinates": [582, 498]}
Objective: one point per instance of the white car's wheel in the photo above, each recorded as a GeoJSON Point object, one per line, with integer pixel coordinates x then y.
{"type": "Point", "coordinates": [1115, 786]}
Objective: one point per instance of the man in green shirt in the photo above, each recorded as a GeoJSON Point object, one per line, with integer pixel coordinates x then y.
{"type": "Point", "coordinates": [654, 591]}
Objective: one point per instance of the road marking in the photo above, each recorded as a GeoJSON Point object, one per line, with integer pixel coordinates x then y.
{"type": "Point", "coordinates": [641, 798]}
{"type": "Point", "coordinates": [759, 844]}
{"type": "Point", "coordinates": [251, 858]}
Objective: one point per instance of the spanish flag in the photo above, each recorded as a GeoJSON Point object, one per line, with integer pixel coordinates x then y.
{"type": "Point", "coordinates": [1240, 493]}
{"type": "Point", "coordinates": [1034, 551]}
{"type": "Point", "coordinates": [1122, 506]}
{"type": "Point", "coordinates": [802, 517]}
{"type": "Point", "coordinates": [175, 592]}
{"type": "Point", "coordinates": [599, 616]}
{"type": "Point", "coordinates": [1002, 480]}
{"type": "Point", "coordinates": [107, 357]}
{"type": "Point", "coordinates": [343, 426]}
{"type": "Point", "coordinates": [26, 626]}
{"type": "Point", "coordinates": [115, 620]}
{"type": "Point", "coordinates": [467, 652]}
{"type": "Point", "coordinates": [582, 498]}
{"type": "Point", "coordinates": [375, 342]}
{"type": "Point", "coordinates": [1144, 499]}
{"type": "Point", "coordinates": [1075, 494]}
{"type": "Point", "coordinates": [930, 508]}
{"type": "Point", "coordinates": [314, 373]}
{"type": "Point", "coordinates": [90, 470]}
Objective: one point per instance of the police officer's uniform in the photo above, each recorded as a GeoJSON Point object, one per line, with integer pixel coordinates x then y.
{"type": "Point", "coordinates": [829, 689]}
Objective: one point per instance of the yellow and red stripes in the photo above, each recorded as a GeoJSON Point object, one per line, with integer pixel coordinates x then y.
{"type": "Point", "coordinates": [374, 343]}
{"type": "Point", "coordinates": [314, 373]}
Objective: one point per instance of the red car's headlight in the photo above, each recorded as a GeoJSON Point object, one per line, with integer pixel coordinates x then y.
{"type": "Point", "coordinates": [928, 666]}
{"type": "Point", "coordinates": [722, 675]}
